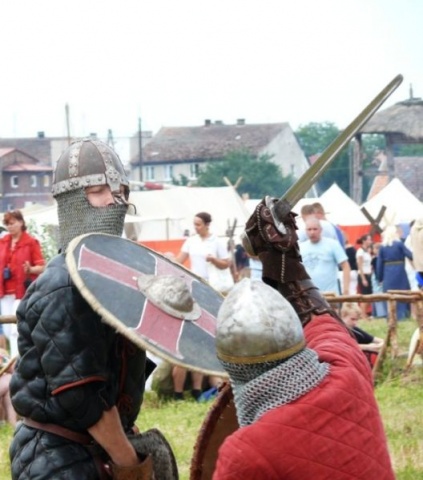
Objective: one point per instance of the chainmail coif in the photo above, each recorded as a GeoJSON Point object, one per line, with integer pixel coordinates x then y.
{"type": "Point", "coordinates": [77, 217]}
{"type": "Point", "coordinates": [261, 387]}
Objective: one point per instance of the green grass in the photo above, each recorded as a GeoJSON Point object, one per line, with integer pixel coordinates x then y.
{"type": "Point", "coordinates": [400, 397]}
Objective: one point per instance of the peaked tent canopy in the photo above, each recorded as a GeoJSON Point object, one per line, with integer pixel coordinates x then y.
{"type": "Point", "coordinates": [341, 209]}
{"type": "Point", "coordinates": [401, 205]}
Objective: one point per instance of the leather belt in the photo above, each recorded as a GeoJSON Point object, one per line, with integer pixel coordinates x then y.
{"type": "Point", "coordinates": [82, 438]}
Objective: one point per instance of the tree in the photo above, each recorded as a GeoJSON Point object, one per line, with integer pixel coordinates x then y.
{"type": "Point", "coordinates": [414, 150]}
{"type": "Point", "coordinates": [314, 138]}
{"type": "Point", "coordinates": [260, 176]}
{"type": "Point", "coordinates": [47, 236]}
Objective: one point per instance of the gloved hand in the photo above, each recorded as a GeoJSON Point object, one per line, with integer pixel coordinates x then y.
{"type": "Point", "coordinates": [270, 234]}
{"type": "Point", "coordinates": [142, 471]}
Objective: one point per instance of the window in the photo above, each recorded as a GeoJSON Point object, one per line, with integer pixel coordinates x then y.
{"type": "Point", "coordinates": [194, 170]}
{"type": "Point", "coordinates": [168, 172]}
{"type": "Point", "coordinates": [14, 181]}
{"type": "Point", "coordinates": [33, 181]}
{"type": "Point", "coordinates": [46, 181]}
{"type": "Point", "coordinates": [149, 173]}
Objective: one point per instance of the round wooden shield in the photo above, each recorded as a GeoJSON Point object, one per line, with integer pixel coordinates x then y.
{"type": "Point", "coordinates": [220, 422]}
{"type": "Point", "coordinates": [107, 269]}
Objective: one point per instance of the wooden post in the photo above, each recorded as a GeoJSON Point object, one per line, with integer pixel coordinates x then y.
{"type": "Point", "coordinates": [390, 340]}
{"type": "Point", "coordinates": [418, 349]}
{"type": "Point", "coordinates": [392, 327]}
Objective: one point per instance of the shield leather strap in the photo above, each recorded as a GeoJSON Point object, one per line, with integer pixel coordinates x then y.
{"type": "Point", "coordinates": [220, 422]}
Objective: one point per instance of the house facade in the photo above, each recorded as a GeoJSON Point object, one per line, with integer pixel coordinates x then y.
{"type": "Point", "coordinates": [23, 179]}
{"type": "Point", "coordinates": [176, 152]}
{"type": "Point", "coordinates": [26, 169]}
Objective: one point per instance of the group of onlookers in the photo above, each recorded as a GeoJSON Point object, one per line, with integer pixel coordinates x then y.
{"type": "Point", "coordinates": [392, 263]}
{"type": "Point", "coordinates": [384, 266]}
{"type": "Point", "coordinates": [366, 267]}
{"type": "Point", "coordinates": [334, 264]}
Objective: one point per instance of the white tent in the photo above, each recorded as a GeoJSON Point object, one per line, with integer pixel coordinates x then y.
{"type": "Point", "coordinates": [401, 205]}
{"type": "Point", "coordinates": [41, 214]}
{"type": "Point", "coordinates": [341, 209]}
{"type": "Point", "coordinates": [251, 204]}
{"type": "Point", "coordinates": [167, 214]}
{"type": "Point", "coordinates": [47, 215]}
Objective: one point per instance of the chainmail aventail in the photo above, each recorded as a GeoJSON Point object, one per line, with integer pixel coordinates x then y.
{"type": "Point", "coordinates": [259, 388]}
{"type": "Point", "coordinates": [77, 217]}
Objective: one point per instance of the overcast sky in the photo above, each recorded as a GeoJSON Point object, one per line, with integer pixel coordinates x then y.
{"type": "Point", "coordinates": [178, 62]}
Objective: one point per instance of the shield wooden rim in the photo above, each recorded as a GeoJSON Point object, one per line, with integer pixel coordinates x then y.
{"type": "Point", "coordinates": [6, 367]}
{"type": "Point", "coordinates": [112, 320]}
{"type": "Point", "coordinates": [220, 422]}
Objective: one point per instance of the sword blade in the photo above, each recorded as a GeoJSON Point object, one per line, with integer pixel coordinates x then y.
{"type": "Point", "coordinates": [312, 175]}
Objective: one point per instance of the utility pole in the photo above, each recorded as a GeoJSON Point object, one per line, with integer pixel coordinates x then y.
{"type": "Point", "coordinates": [140, 148]}
{"type": "Point", "coordinates": [67, 123]}
{"type": "Point", "coordinates": [110, 140]}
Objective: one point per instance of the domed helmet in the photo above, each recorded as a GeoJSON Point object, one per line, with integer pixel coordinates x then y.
{"type": "Point", "coordinates": [261, 345]}
{"type": "Point", "coordinates": [86, 163]}
{"type": "Point", "coordinates": [256, 324]}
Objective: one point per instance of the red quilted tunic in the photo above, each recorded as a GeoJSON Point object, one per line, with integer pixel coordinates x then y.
{"type": "Point", "coordinates": [333, 432]}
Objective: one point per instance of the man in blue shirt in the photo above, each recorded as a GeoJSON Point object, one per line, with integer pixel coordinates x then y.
{"type": "Point", "coordinates": [322, 256]}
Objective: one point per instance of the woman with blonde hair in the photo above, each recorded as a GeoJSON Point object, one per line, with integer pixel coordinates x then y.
{"type": "Point", "coordinates": [390, 266]}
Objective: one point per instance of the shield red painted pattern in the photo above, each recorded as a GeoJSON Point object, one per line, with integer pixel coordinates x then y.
{"type": "Point", "coordinates": [105, 269]}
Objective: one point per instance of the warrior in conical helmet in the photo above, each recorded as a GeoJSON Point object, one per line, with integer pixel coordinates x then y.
{"type": "Point", "coordinates": [78, 383]}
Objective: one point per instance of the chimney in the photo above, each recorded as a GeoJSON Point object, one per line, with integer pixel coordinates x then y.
{"type": "Point", "coordinates": [207, 122]}
{"type": "Point", "coordinates": [93, 136]}
{"type": "Point", "coordinates": [240, 121]}
{"type": "Point", "coordinates": [218, 122]}
{"type": "Point", "coordinates": [40, 135]}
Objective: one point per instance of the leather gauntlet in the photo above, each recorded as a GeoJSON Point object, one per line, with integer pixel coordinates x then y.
{"type": "Point", "coordinates": [270, 234]}
{"type": "Point", "coordinates": [306, 299]}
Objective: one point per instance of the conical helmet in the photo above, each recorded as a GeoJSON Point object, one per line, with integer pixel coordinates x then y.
{"type": "Point", "coordinates": [87, 163]}
{"type": "Point", "coordinates": [256, 324]}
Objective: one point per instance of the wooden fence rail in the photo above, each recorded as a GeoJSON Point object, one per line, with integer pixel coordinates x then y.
{"type": "Point", "coordinates": [391, 297]}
